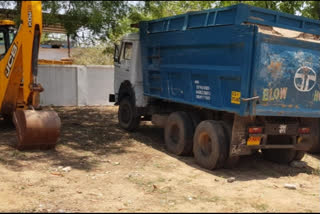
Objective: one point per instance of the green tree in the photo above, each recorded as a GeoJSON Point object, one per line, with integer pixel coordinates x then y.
{"type": "Point", "coordinates": [99, 17]}
{"type": "Point", "coordinates": [312, 9]}
{"type": "Point", "coordinates": [149, 10]}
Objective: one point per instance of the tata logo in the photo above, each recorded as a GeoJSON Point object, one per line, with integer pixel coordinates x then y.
{"type": "Point", "coordinates": [305, 79]}
{"type": "Point", "coordinates": [11, 60]}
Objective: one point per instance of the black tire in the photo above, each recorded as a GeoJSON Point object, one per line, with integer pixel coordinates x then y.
{"type": "Point", "coordinates": [207, 141]}
{"type": "Point", "coordinates": [127, 115]}
{"type": "Point", "coordinates": [282, 156]}
{"type": "Point", "coordinates": [178, 134]}
{"type": "Point", "coordinates": [299, 155]}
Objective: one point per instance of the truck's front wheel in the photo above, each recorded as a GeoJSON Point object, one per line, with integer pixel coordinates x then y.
{"type": "Point", "coordinates": [128, 119]}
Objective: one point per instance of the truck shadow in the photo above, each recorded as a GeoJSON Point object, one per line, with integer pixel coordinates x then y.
{"type": "Point", "coordinates": [252, 167]}
{"type": "Point", "coordinates": [90, 135]}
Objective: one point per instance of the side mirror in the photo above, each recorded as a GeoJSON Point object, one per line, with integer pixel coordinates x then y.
{"type": "Point", "coordinates": [116, 54]}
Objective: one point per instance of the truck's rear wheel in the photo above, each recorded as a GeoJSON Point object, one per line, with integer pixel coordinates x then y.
{"type": "Point", "coordinates": [178, 133]}
{"type": "Point", "coordinates": [127, 117]}
{"type": "Point", "coordinates": [207, 141]}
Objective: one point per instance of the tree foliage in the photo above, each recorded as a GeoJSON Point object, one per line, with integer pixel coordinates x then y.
{"type": "Point", "coordinates": [312, 9]}
{"type": "Point", "coordinates": [109, 20]}
{"type": "Point", "coordinates": [149, 10]}
{"type": "Point", "coordinates": [99, 17]}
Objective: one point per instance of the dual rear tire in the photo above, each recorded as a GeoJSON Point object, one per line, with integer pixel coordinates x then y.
{"type": "Point", "coordinates": [207, 140]}
{"type": "Point", "coordinates": [209, 146]}
{"type": "Point", "coordinates": [178, 134]}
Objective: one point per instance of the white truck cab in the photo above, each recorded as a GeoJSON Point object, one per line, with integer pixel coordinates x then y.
{"type": "Point", "coordinates": [127, 69]}
{"type": "Point", "coordinates": [128, 82]}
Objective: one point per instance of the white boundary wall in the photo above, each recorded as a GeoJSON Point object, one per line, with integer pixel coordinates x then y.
{"type": "Point", "coordinates": [75, 85]}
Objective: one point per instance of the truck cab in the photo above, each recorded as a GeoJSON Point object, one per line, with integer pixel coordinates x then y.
{"type": "Point", "coordinates": [127, 70]}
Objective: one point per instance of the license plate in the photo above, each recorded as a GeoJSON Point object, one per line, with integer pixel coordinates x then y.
{"type": "Point", "coordinates": [253, 141]}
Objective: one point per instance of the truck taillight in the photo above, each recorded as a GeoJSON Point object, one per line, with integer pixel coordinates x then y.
{"type": "Point", "coordinates": [255, 130]}
{"type": "Point", "coordinates": [304, 130]}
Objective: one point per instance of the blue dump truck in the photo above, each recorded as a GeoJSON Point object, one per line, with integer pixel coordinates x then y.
{"type": "Point", "coordinates": [223, 83]}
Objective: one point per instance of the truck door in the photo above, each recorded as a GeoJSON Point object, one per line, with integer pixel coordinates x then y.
{"type": "Point", "coordinates": [122, 67]}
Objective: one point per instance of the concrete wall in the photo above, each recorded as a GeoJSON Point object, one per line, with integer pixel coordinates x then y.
{"type": "Point", "coordinates": [75, 85]}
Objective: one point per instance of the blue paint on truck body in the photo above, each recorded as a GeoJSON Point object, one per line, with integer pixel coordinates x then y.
{"type": "Point", "coordinates": [213, 60]}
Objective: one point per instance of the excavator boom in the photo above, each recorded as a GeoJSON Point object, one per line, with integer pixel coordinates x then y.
{"type": "Point", "coordinates": [19, 90]}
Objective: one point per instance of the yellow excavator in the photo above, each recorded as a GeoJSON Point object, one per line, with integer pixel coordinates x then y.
{"type": "Point", "coordinates": [19, 89]}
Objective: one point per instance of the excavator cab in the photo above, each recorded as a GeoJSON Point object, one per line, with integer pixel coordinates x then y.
{"type": "Point", "coordinates": [19, 89]}
{"type": "Point", "coordinates": [7, 34]}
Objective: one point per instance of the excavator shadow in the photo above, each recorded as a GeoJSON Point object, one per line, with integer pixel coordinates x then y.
{"type": "Point", "coordinates": [6, 124]}
{"type": "Point", "coordinates": [87, 136]}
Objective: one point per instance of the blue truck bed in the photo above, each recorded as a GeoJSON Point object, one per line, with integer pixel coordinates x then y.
{"type": "Point", "coordinates": [218, 59]}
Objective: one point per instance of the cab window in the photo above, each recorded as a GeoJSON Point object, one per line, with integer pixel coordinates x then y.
{"type": "Point", "coordinates": [127, 53]}
{"type": "Point", "coordinates": [12, 34]}
{"type": "Point", "coordinates": [2, 43]}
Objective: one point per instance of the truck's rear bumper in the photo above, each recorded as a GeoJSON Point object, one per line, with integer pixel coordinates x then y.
{"type": "Point", "coordinates": [276, 135]}
{"type": "Point", "coordinates": [244, 149]}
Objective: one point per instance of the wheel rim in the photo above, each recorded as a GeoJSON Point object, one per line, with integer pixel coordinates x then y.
{"type": "Point", "coordinates": [125, 114]}
{"type": "Point", "coordinates": [205, 144]}
{"type": "Point", "coordinates": [174, 134]}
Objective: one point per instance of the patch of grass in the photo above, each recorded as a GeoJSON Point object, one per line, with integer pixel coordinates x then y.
{"type": "Point", "coordinates": [212, 199]}
{"type": "Point", "coordinates": [166, 189]}
{"type": "Point", "coordinates": [157, 165]}
{"type": "Point", "coordinates": [184, 181]}
{"type": "Point", "coordinates": [91, 56]}
{"type": "Point", "coordinates": [260, 206]}
{"type": "Point", "coordinates": [161, 180]}
{"type": "Point", "coordinates": [18, 154]}
{"type": "Point", "coordinates": [308, 211]}
{"type": "Point", "coordinates": [138, 181]}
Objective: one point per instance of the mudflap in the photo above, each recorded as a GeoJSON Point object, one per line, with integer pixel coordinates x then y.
{"type": "Point", "coordinates": [36, 129]}
{"type": "Point", "coordinates": [239, 136]}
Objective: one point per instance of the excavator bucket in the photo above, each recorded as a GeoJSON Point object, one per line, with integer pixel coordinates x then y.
{"type": "Point", "coordinates": [36, 129]}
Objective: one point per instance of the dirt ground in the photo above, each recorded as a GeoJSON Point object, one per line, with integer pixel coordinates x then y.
{"type": "Point", "coordinates": [115, 171]}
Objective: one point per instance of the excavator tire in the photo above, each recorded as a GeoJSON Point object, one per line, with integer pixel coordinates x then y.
{"type": "Point", "coordinates": [36, 129]}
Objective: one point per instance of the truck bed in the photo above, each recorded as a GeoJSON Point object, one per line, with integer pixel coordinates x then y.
{"type": "Point", "coordinates": [225, 59]}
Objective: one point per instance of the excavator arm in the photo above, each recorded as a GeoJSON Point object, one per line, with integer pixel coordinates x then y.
{"type": "Point", "coordinates": [19, 90]}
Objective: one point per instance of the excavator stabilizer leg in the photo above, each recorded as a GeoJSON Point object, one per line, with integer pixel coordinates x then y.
{"type": "Point", "coordinates": [36, 129]}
